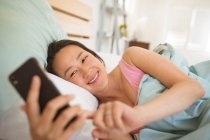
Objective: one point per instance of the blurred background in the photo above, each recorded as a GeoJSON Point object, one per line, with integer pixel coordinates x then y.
{"type": "Point", "coordinates": [118, 24]}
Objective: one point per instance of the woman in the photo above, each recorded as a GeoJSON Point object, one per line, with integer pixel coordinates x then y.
{"type": "Point", "coordinates": [75, 63]}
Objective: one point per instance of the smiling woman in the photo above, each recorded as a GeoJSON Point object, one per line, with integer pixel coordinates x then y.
{"type": "Point", "coordinates": [124, 106]}
{"type": "Point", "coordinates": [76, 63]}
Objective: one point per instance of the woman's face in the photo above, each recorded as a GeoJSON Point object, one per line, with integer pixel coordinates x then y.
{"type": "Point", "coordinates": [80, 67]}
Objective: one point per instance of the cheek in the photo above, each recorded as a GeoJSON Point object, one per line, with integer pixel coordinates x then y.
{"type": "Point", "coordinates": [78, 81]}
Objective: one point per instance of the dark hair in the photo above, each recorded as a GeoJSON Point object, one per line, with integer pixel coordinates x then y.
{"type": "Point", "coordinates": [56, 46]}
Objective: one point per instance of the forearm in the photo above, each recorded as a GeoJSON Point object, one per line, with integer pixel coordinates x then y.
{"type": "Point", "coordinates": [176, 99]}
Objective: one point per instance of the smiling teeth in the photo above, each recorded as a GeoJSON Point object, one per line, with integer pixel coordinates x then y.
{"type": "Point", "coordinates": [90, 82]}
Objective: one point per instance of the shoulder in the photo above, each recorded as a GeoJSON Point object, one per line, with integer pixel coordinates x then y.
{"type": "Point", "coordinates": [132, 53]}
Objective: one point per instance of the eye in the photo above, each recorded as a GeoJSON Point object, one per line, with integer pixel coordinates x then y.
{"type": "Point", "coordinates": [73, 73]}
{"type": "Point", "coordinates": [84, 59]}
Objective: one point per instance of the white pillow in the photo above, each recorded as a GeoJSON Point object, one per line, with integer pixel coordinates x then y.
{"type": "Point", "coordinates": [82, 97]}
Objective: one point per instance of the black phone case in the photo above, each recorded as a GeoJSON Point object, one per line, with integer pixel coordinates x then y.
{"type": "Point", "coordinates": [21, 80]}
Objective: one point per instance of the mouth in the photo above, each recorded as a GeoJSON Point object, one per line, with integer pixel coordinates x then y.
{"type": "Point", "coordinates": [95, 77]}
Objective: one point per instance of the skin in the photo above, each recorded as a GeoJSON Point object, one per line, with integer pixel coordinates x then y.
{"type": "Point", "coordinates": [117, 115]}
{"type": "Point", "coordinates": [41, 125]}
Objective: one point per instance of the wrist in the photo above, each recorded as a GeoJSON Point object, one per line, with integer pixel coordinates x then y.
{"type": "Point", "coordinates": [140, 119]}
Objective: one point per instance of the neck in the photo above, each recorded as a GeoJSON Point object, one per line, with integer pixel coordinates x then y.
{"type": "Point", "coordinates": [111, 91]}
{"type": "Point", "coordinates": [115, 89]}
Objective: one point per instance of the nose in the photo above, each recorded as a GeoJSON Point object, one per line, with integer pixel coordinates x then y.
{"type": "Point", "coordinates": [84, 70]}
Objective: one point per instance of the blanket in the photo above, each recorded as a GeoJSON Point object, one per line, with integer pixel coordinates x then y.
{"type": "Point", "coordinates": [194, 122]}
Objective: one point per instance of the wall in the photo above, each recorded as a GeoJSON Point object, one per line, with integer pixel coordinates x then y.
{"type": "Point", "coordinates": [151, 20]}
{"type": "Point", "coordinates": [95, 5]}
{"type": "Point", "coordinates": [183, 23]}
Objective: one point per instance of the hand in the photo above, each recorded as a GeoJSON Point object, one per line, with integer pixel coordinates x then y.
{"type": "Point", "coordinates": [115, 119]}
{"type": "Point", "coordinates": [42, 126]}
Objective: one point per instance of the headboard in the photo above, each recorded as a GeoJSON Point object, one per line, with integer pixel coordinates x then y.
{"type": "Point", "coordinates": [75, 18]}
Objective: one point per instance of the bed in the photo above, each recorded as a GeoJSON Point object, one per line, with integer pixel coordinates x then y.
{"type": "Point", "coordinates": [26, 29]}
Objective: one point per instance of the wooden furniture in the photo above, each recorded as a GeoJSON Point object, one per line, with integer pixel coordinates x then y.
{"type": "Point", "coordinates": [139, 44]}
{"type": "Point", "coordinates": [75, 18]}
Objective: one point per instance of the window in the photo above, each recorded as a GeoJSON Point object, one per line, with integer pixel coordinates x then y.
{"type": "Point", "coordinates": [188, 28]}
{"type": "Point", "coordinates": [199, 36]}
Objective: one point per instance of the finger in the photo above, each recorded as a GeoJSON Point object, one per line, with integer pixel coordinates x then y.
{"type": "Point", "coordinates": [98, 120]}
{"type": "Point", "coordinates": [117, 115]}
{"type": "Point", "coordinates": [97, 133]}
{"type": "Point", "coordinates": [75, 125]}
{"type": "Point", "coordinates": [52, 107]}
{"type": "Point", "coordinates": [90, 114]}
{"type": "Point", "coordinates": [108, 119]}
{"type": "Point", "coordinates": [64, 118]}
{"type": "Point", "coordinates": [32, 107]}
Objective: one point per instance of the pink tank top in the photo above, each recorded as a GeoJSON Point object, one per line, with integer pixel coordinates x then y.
{"type": "Point", "coordinates": [132, 74]}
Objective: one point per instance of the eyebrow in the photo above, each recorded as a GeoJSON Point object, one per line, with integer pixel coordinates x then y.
{"type": "Point", "coordinates": [78, 56]}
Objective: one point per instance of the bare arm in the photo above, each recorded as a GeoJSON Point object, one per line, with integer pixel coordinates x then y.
{"type": "Point", "coordinates": [116, 118]}
{"type": "Point", "coordinates": [183, 90]}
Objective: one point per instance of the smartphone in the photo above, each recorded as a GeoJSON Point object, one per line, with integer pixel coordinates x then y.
{"type": "Point", "coordinates": [21, 79]}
